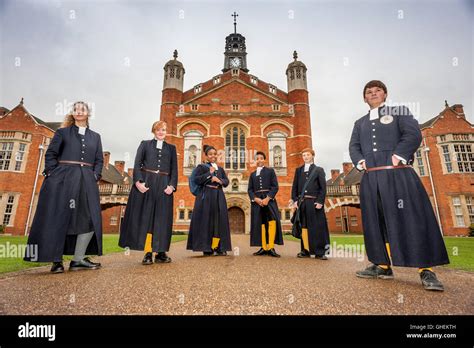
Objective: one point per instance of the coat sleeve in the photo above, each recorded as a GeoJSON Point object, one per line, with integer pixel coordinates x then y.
{"type": "Point", "coordinates": [355, 149]}
{"type": "Point", "coordinates": [411, 136]}
{"type": "Point", "coordinates": [99, 160]}
{"type": "Point", "coordinates": [273, 185]}
{"type": "Point", "coordinates": [224, 179]}
{"type": "Point", "coordinates": [52, 153]}
{"type": "Point", "coordinates": [137, 167]}
{"type": "Point", "coordinates": [294, 188]}
{"type": "Point", "coordinates": [174, 169]}
{"type": "Point", "coordinates": [321, 178]}
{"type": "Point", "coordinates": [250, 189]}
{"type": "Point", "coordinates": [202, 175]}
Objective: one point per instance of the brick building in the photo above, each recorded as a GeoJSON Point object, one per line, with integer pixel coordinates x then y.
{"type": "Point", "coordinates": [445, 164]}
{"type": "Point", "coordinates": [24, 139]}
{"type": "Point", "coordinates": [239, 114]}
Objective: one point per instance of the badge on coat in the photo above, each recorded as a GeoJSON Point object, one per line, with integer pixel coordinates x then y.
{"type": "Point", "coordinates": [386, 119]}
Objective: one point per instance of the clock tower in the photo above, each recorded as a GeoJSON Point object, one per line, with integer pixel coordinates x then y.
{"type": "Point", "coordinates": [235, 55]}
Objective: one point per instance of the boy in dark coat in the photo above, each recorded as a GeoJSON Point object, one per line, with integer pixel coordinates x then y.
{"type": "Point", "coordinates": [400, 227]}
{"type": "Point", "coordinates": [265, 229]}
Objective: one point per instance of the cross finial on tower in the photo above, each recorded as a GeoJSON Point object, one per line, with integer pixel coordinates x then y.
{"type": "Point", "coordinates": [295, 55]}
{"type": "Point", "coordinates": [235, 15]}
{"type": "Point", "coordinates": [446, 104]}
{"type": "Point", "coordinates": [175, 54]}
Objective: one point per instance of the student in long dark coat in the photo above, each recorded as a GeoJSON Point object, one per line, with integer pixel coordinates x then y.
{"type": "Point", "coordinates": [265, 229]}
{"type": "Point", "coordinates": [209, 231]}
{"type": "Point", "coordinates": [310, 207]}
{"type": "Point", "coordinates": [148, 219]}
{"type": "Point", "coordinates": [68, 216]}
{"type": "Point", "coordinates": [400, 227]}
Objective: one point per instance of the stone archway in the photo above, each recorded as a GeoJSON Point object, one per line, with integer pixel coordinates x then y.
{"type": "Point", "coordinates": [236, 220]}
{"type": "Point", "coordinates": [242, 203]}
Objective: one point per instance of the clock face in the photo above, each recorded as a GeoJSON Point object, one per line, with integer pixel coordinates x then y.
{"type": "Point", "coordinates": [235, 62]}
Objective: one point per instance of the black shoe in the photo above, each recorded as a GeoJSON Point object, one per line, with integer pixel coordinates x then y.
{"type": "Point", "coordinates": [430, 281]}
{"type": "Point", "coordinates": [273, 253]}
{"type": "Point", "coordinates": [321, 257]}
{"type": "Point", "coordinates": [80, 265]}
{"type": "Point", "coordinates": [220, 253]}
{"type": "Point", "coordinates": [374, 271]}
{"type": "Point", "coordinates": [303, 253]}
{"type": "Point", "coordinates": [260, 252]}
{"type": "Point", "coordinates": [161, 257]}
{"type": "Point", "coordinates": [148, 259]}
{"type": "Point", "coordinates": [207, 253]}
{"type": "Point", "coordinates": [57, 267]}
{"type": "Point", "coordinates": [97, 264]}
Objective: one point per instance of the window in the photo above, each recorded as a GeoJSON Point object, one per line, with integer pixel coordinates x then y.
{"type": "Point", "coordinates": [194, 107]}
{"type": "Point", "coordinates": [470, 210]}
{"type": "Point", "coordinates": [113, 220]}
{"type": "Point", "coordinates": [338, 221]}
{"type": "Point", "coordinates": [190, 214]}
{"type": "Point", "coordinates": [235, 72]}
{"type": "Point", "coordinates": [181, 214]}
{"type": "Point", "coordinates": [235, 107]}
{"type": "Point", "coordinates": [458, 215]}
{"type": "Point", "coordinates": [353, 220]}
{"type": "Point", "coordinates": [19, 156]}
{"type": "Point", "coordinates": [287, 214]}
{"type": "Point", "coordinates": [253, 80]}
{"type": "Point", "coordinates": [464, 157]}
{"type": "Point", "coordinates": [216, 80]}
{"type": "Point", "coordinates": [5, 155]}
{"type": "Point", "coordinates": [197, 89]}
{"type": "Point", "coordinates": [460, 136]}
{"type": "Point", "coordinates": [447, 158]}
{"type": "Point", "coordinates": [419, 162]}
{"type": "Point", "coordinates": [235, 148]}
{"type": "Point", "coordinates": [8, 210]}
{"type": "Point", "coordinates": [276, 107]}
{"type": "Point", "coordinates": [272, 89]}
{"type": "Point", "coordinates": [442, 137]}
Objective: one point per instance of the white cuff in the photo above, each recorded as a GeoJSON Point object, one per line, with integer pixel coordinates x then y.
{"type": "Point", "coordinates": [359, 164]}
{"type": "Point", "coordinates": [404, 161]}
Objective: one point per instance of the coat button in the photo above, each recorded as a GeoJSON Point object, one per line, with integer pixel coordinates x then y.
{"type": "Point", "coordinates": [373, 129]}
{"type": "Point", "coordinates": [375, 143]}
{"type": "Point", "coordinates": [82, 139]}
{"type": "Point", "coordinates": [375, 150]}
{"type": "Point", "coordinates": [373, 123]}
{"type": "Point", "coordinates": [82, 158]}
{"type": "Point", "coordinates": [373, 136]}
{"type": "Point", "coordinates": [82, 165]}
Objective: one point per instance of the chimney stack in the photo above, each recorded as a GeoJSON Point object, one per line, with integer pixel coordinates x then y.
{"type": "Point", "coordinates": [334, 174]}
{"type": "Point", "coordinates": [347, 167]}
{"type": "Point", "coordinates": [120, 166]}
{"type": "Point", "coordinates": [130, 172]}
{"type": "Point", "coordinates": [106, 159]}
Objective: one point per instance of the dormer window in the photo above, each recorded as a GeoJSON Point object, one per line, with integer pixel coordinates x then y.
{"type": "Point", "coordinates": [253, 80]}
{"type": "Point", "coordinates": [235, 107]}
{"type": "Point", "coordinates": [235, 72]}
{"type": "Point", "coordinates": [216, 79]}
{"type": "Point", "coordinates": [272, 89]}
{"type": "Point", "coordinates": [276, 107]}
{"type": "Point", "coordinates": [194, 107]}
{"type": "Point", "coordinates": [197, 89]}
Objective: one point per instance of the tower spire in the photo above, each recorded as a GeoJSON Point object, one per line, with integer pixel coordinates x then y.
{"type": "Point", "coordinates": [235, 15]}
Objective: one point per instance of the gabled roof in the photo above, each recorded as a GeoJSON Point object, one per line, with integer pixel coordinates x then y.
{"type": "Point", "coordinates": [113, 176]}
{"type": "Point", "coordinates": [50, 125]}
{"type": "Point", "coordinates": [352, 178]}
{"type": "Point", "coordinates": [452, 108]}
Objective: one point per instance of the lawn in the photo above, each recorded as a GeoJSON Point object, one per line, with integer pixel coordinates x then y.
{"type": "Point", "coordinates": [460, 249]}
{"type": "Point", "coordinates": [12, 264]}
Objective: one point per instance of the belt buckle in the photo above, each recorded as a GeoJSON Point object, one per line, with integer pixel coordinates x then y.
{"type": "Point", "coordinates": [157, 171]}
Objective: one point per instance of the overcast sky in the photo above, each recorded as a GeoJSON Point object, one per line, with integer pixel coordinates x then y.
{"type": "Point", "coordinates": [112, 53]}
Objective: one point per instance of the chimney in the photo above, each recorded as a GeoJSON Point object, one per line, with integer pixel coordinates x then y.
{"type": "Point", "coordinates": [347, 167]}
{"type": "Point", "coordinates": [130, 172]}
{"type": "Point", "coordinates": [120, 166]}
{"type": "Point", "coordinates": [106, 159]}
{"type": "Point", "coordinates": [334, 174]}
{"type": "Point", "coordinates": [458, 108]}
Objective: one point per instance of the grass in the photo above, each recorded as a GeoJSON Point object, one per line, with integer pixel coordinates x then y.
{"type": "Point", "coordinates": [460, 249]}
{"type": "Point", "coordinates": [16, 263]}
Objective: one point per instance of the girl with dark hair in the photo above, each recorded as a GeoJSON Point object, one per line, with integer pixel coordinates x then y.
{"type": "Point", "coordinates": [209, 231]}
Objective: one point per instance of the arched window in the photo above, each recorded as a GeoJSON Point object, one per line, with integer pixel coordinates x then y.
{"type": "Point", "coordinates": [235, 148]}
{"type": "Point", "coordinates": [277, 157]}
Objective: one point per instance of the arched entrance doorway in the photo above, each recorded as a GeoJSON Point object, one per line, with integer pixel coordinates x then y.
{"type": "Point", "coordinates": [236, 220]}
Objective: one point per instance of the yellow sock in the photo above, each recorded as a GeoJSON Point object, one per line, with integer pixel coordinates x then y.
{"type": "Point", "coordinates": [421, 269]}
{"type": "Point", "coordinates": [304, 237]}
{"type": "Point", "coordinates": [271, 234]}
{"type": "Point", "coordinates": [264, 238]}
{"type": "Point", "coordinates": [148, 248]}
{"type": "Point", "coordinates": [215, 243]}
{"type": "Point", "coordinates": [387, 246]}
{"type": "Point", "coordinates": [384, 266]}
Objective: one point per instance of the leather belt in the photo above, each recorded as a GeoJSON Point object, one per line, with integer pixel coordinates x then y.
{"type": "Point", "coordinates": [262, 191]}
{"type": "Point", "coordinates": [213, 187]}
{"type": "Point", "coordinates": [388, 167]}
{"type": "Point", "coordinates": [77, 162]}
{"type": "Point", "coordinates": [154, 171]}
{"type": "Point", "coordinates": [309, 197]}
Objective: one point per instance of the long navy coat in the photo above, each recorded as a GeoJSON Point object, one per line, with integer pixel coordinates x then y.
{"type": "Point", "coordinates": [313, 219]}
{"type": "Point", "coordinates": [152, 211]}
{"type": "Point", "coordinates": [267, 180]}
{"type": "Point", "coordinates": [61, 193]}
{"type": "Point", "coordinates": [412, 230]}
{"type": "Point", "coordinates": [209, 205]}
